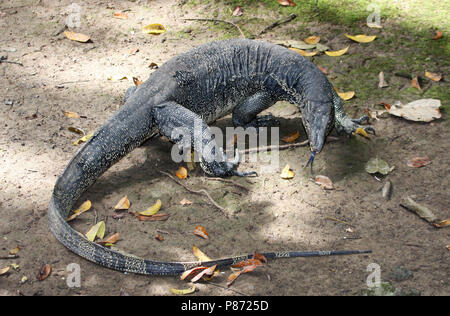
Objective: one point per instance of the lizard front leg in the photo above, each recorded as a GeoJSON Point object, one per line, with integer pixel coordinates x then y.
{"type": "Point", "coordinates": [245, 114]}
{"type": "Point", "coordinates": [344, 123]}
{"type": "Point", "coordinates": [187, 129]}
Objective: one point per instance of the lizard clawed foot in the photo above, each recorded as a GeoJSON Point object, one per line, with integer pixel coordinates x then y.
{"type": "Point", "coordinates": [362, 119]}
{"type": "Point", "coordinates": [244, 174]}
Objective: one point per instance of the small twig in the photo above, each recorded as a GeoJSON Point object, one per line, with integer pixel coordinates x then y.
{"type": "Point", "coordinates": [339, 221]}
{"type": "Point", "coordinates": [277, 23]}
{"type": "Point", "coordinates": [226, 288]}
{"type": "Point", "coordinates": [201, 192]}
{"type": "Point", "coordinates": [9, 257]}
{"type": "Point", "coordinates": [218, 20]}
{"type": "Point", "coordinates": [10, 62]}
{"type": "Point", "coordinates": [229, 181]}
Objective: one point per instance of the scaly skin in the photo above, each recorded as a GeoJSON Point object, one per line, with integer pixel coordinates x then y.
{"type": "Point", "coordinates": [242, 77]}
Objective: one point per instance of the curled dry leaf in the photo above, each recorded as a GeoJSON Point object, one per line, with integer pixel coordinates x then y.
{"type": "Point", "coordinates": [98, 230]}
{"type": "Point", "coordinates": [238, 11]}
{"type": "Point", "coordinates": [437, 35]}
{"type": "Point", "coordinates": [153, 66]}
{"type": "Point", "coordinates": [78, 37]}
{"type": "Point", "coordinates": [291, 137]}
{"type": "Point", "coordinates": [287, 173]}
{"type": "Point", "coordinates": [184, 291]}
{"type": "Point", "coordinates": [159, 237]}
{"type": "Point", "coordinates": [44, 272]}
{"type": "Point", "coordinates": [418, 162]}
{"type": "Point", "coordinates": [206, 272]}
{"type": "Point", "coordinates": [14, 251]}
{"type": "Point", "coordinates": [337, 53]}
{"type": "Point", "coordinates": [154, 29]}
{"type": "Point", "coordinates": [152, 210]}
{"type": "Point", "coordinates": [232, 277]}
{"type": "Point", "coordinates": [415, 83]}
{"type": "Point", "coordinates": [303, 52]}
{"type": "Point", "coordinates": [201, 231]}
{"type": "Point", "coordinates": [260, 257]}
{"type": "Point", "coordinates": [433, 76]}
{"type": "Point", "coordinates": [249, 262]}
{"type": "Point", "coordinates": [188, 274]}
{"type": "Point", "coordinates": [286, 3]}
{"type": "Point", "coordinates": [137, 82]}
{"type": "Point", "coordinates": [312, 40]}
{"type": "Point", "coordinates": [422, 211]}
{"type": "Point", "coordinates": [110, 240]}
{"type": "Point", "coordinates": [83, 139]}
{"type": "Point", "coordinates": [76, 130]}
{"type": "Point", "coordinates": [181, 173]}
{"type": "Point", "coordinates": [123, 204]}
{"type": "Point", "coordinates": [361, 38]}
{"type": "Point", "coordinates": [324, 182]}
{"type": "Point", "coordinates": [152, 218]}
{"type": "Point", "coordinates": [381, 81]}
{"type": "Point", "coordinates": [5, 270]}
{"type": "Point", "coordinates": [86, 206]}
{"type": "Point", "coordinates": [120, 15]}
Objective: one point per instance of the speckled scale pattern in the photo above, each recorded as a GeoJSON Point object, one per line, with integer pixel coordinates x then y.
{"type": "Point", "coordinates": [210, 81]}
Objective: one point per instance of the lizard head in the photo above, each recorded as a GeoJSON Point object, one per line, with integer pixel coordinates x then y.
{"type": "Point", "coordinates": [318, 119]}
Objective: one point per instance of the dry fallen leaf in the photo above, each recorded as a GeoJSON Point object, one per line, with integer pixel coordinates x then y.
{"type": "Point", "coordinates": [152, 210]}
{"type": "Point", "coordinates": [260, 257]}
{"type": "Point", "coordinates": [437, 35]}
{"type": "Point", "coordinates": [361, 38]}
{"type": "Point", "coordinates": [291, 137]}
{"type": "Point", "coordinates": [199, 254]}
{"type": "Point", "coordinates": [381, 81]}
{"type": "Point", "coordinates": [433, 76]}
{"type": "Point", "coordinates": [77, 36]}
{"type": "Point", "coordinates": [152, 218]}
{"type": "Point", "coordinates": [418, 162]}
{"type": "Point", "coordinates": [110, 240]}
{"type": "Point", "coordinates": [5, 270]}
{"type": "Point", "coordinates": [248, 262]}
{"type": "Point", "coordinates": [76, 130]}
{"type": "Point", "coordinates": [14, 251]}
{"type": "Point", "coordinates": [337, 52]}
{"type": "Point", "coordinates": [154, 29]}
{"type": "Point", "coordinates": [71, 114]}
{"type": "Point", "coordinates": [98, 230]}
{"type": "Point", "coordinates": [374, 25]}
{"type": "Point", "coordinates": [303, 52]}
{"type": "Point", "coordinates": [422, 110]}
{"type": "Point", "coordinates": [324, 182]}
{"type": "Point", "coordinates": [444, 223]}
{"type": "Point", "coordinates": [83, 208]}
{"type": "Point", "coordinates": [238, 11]}
{"type": "Point", "coordinates": [312, 40]}
{"type": "Point", "coordinates": [346, 95]}
{"type": "Point", "coordinates": [287, 173]}
{"type": "Point", "coordinates": [181, 173]}
{"type": "Point", "coordinates": [415, 83]}
{"type": "Point", "coordinates": [209, 272]}
{"type": "Point", "coordinates": [286, 3]}
{"type": "Point", "coordinates": [123, 204]}
{"type": "Point", "coordinates": [183, 292]}
{"type": "Point", "coordinates": [232, 277]}
{"type": "Point", "coordinates": [159, 237]}
{"type": "Point", "coordinates": [121, 15]}
{"type": "Point", "coordinates": [192, 272]}
{"type": "Point", "coordinates": [44, 272]}
{"type": "Point", "coordinates": [185, 202]}
{"type": "Point", "coordinates": [153, 66]}
{"type": "Point", "coordinates": [83, 139]}
{"type": "Point", "coordinates": [377, 165]}
{"type": "Point", "coordinates": [201, 231]}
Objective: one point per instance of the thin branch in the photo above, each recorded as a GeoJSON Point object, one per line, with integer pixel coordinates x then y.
{"type": "Point", "coordinates": [9, 257]}
{"type": "Point", "coordinates": [218, 20]}
{"type": "Point", "coordinates": [201, 192]}
{"type": "Point", "coordinates": [226, 288]}
{"type": "Point", "coordinates": [229, 181]}
{"type": "Point", "coordinates": [277, 23]}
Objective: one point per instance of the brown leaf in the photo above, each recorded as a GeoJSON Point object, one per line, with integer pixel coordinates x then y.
{"type": "Point", "coordinates": [415, 83]}
{"type": "Point", "coordinates": [153, 66]}
{"type": "Point", "coordinates": [159, 237]}
{"type": "Point", "coordinates": [286, 3]}
{"type": "Point", "coordinates": [123, 204]}
{"type": "Point", "coordinates": [185, 202]}
{"type": "Point", "coordinates": [192, 272]}
{"type": "Point", "coordinates": [444, 223]}
{"type": "Point", "coordinates": [121, 15]}
{"type": "Point", "coordinates": [137, 82]}
{"type": "Point", "coordinates": [312, 40]}
{"type": "Point", "coordinates": [209, 271]}
{"type": "Point", "coordinates": [232, 277]}
{"type": "Point", "coordinates": [324, 182]}
{"type": "Point", "coordinates": [14, 251]}
{"type": "Point", "coordinates": [111, 239]}
{"type": "Point", "coordinates": [260, 257]}
{"type": "Point", "coordinates": [238, 11]}
{"type": "Point", "coordinates": [437, 35]}
{"type": "Point", "coordinates": [291, 137]}
{"type": "Point", "coordinates": [78, 37]}
{"type": "Point", "coordinates": [418, 162]}
{"type": "Point", "coordinates": [44, 272]}
{"type": "Point", "coordinates": [249, 262]}
{"type": "Point", "coordinates": [201, 231]}
{"type": "Point", "coordinates": [152, 218]}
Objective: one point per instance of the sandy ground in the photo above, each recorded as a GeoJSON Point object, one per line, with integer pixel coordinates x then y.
{"type": "Point", "coordinates": [35, 145]}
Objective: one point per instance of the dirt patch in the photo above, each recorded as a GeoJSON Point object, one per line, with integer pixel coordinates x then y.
{"type": "Point", "coordinates": [275, 215]}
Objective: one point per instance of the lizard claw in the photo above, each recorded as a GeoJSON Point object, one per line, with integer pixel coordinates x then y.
{"type": "Point", "coordinates": [362, 119]}
{"type": "Point", "coordinates": [310, 162]}
{"type": "Point", "coordinates": [244, 174]}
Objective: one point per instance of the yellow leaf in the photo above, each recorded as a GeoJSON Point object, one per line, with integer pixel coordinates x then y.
{"type": "Point", "coordinates": [83, 139]}
{"type": "Point", "coordinates": [154, 29]}
{"type": "Point", "coordinates": [121, 15]}
{"type": "Point", "coordinates": [361, 38]}
{"type": "Point", "coordinates": [303, 52]}
{"type": "Point", "coordinates": [152, 210]}
{"type": "Point", "coordinates": [444, 223]}
{"type": "Point", "coordinates": [71, 114]}
{"type": "Point", "coordinates": [312, 40]}
{"type": "Point", "coordinates": [14, 251]}
{"type": "Point", "coordinates": [362, 132]}
{"type": "Point", "coordinates": [199, 254]}
{"type": "Point", "coordinates": [4, 270]}
{"type": "Point", "coordinates": [337, 52]}
{"type": "Point", "coordinates": [98, 230]}
{"type": "Point", "coordinates": [346, 95]}
{"type": "Point", "coordinates": [83, 208]}
{"type": "Point", "coordinates": [123, 204]}
{"type": "Point", "coordinates": [287, 173]}
{"type": "Point", "coordinates": [183, 292]}
{"type": "Point", "coordinates": [77, 36]}
{"type": "Point", "coordinates": [433, 76]}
